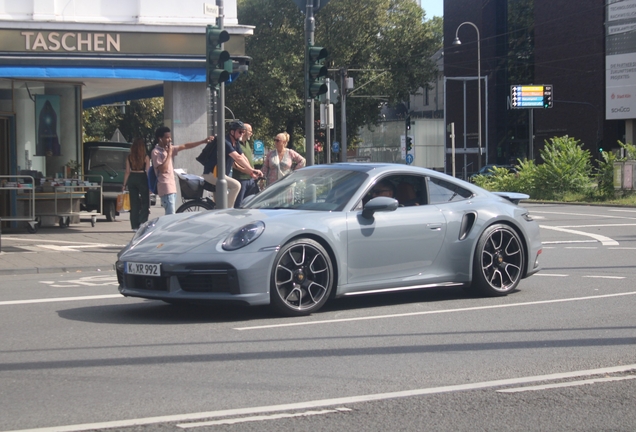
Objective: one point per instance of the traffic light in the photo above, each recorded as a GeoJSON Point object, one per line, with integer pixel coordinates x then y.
{"type": "Point", "coordinates": [316, 71]}
{"type": "Point", "coordinates": [409, 143]}
{"type": "Point", "coordinates": [407, 122]}
{"type": "Point", "coordinates": [216, 56]}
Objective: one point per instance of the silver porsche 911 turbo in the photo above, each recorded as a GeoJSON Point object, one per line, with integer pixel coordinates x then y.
{"type": "Point", "coordinates": [328, 231]}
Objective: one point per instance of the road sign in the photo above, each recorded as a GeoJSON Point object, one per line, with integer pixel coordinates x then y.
{"type": "Point", "coordinates": [259, 148]}
{"type": "Point", "coordinates": [531, 96]}
{"type": "Point", "coordinates": [335, 147]}
{"type": "Point", "coordinates": [409, 159]}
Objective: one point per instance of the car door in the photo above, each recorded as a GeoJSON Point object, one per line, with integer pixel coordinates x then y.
{"type": "Point", "coordinates": [398, 246]}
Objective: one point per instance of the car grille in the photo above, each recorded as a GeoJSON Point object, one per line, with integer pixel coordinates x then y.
{"type": "Point", "coordinates": [200, 279]}
{"type": "Point", "coordinates": [149, 283]}
{"type": "Point", "coordinates": [209, 278]}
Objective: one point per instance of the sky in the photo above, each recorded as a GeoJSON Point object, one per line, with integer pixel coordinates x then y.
{"type": "Point", "coordinates": [433, 8]}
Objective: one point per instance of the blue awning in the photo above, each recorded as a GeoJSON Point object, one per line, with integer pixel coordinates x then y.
{"type": "Point", "coordinates": [176, 74]}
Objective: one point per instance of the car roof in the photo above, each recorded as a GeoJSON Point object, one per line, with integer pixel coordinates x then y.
{"type": "Point", "coordinates": [377, 168]}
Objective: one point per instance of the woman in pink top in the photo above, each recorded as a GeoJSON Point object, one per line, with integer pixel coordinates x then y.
{"type": "Point", "coordinates": [282, 160]}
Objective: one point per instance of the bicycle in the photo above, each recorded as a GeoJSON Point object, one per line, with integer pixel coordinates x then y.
{"type": "Point", "coordinates": [192, 187]}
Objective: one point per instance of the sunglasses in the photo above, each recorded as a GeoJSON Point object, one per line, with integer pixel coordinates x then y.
{"type": "Point", "coordinates": [277, 139]}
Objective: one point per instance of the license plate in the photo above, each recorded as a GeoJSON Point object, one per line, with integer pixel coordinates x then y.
{"type": "Point", "coordinates": [143, 269]}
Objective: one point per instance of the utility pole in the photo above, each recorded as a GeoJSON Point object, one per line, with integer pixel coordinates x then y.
{"type": "Point", "coordinates": [220, 195]}
{"type": "Point", "coordinates": [343, 115]}
{"type": "Point", "coordinates": [310, 25]}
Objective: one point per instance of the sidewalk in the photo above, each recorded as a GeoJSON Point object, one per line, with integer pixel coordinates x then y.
{"type": "Point", "coordinates": [80, 247]}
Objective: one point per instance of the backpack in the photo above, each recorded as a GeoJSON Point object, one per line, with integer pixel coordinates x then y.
{"type": "Point", "coordinates": [152, 180]}
{"type": "Point", "coordinates": [209, 148]}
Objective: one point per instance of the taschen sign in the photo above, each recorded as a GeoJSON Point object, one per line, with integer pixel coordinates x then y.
{"type": "Point", "coordinates": [56, 42]}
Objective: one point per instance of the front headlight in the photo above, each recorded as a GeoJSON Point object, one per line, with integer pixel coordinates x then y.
{"type": "Point", "coordinates": [144, 230]}
{"type": "Point", "coordinates": [244, 236]}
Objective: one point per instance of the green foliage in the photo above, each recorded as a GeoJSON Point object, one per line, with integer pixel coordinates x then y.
{"type": "Point", "coordinates": [566, 170]}
{"type": "Point", "coordinates": [566, 167]}
{"type": "Point", "coordinates": [140, 119]}
{"type": "Point", "coordinates": [630, 150]}
{"type": "Point", "coordinates": [384, 43]}
{"type": "Point", "coordinates": [605, 174]}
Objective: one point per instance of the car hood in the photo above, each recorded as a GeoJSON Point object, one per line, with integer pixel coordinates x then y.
{"type": "Point", "coordinates": [183, 232]}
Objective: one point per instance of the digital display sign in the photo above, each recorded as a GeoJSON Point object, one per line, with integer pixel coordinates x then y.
{"type": "Point", "coordinates": [531, 96]}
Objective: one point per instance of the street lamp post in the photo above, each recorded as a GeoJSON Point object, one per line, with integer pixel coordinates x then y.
{"type": "Point", "coordinates": [458, 42]}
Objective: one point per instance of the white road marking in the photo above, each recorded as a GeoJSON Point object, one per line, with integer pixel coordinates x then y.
{"type": "Point", "coordinates": [606, 241]}
{"type": "Point", "coordinates": [569, 241]}
{"type": "Point", "coordinates": [605, 277]}
{"type": "Point", "coordinates": [49, 241]}
{"type": "Point", "coordinates": [623, 248]}
{"type": "Point", "coordinates": [409, 314]}
{"type": "Point", "coordinates": [60, 299]}
{"type": "Point", "coordinates": [551, 274]}
{"type": "Point", "coordinates": [583, 214]}
{"type": "Point", "coordinates": [105, 280]}
{"type": "Point", "coordinates": [580, 247]}
{"type": "Point", "coordinates": [260, 418]}
{"type": "Point", "coordinates": [623, 211]}
{"type": "Point", "coordinates": [565, 384]}
{"type": "Point", "coordinates": [331, 402]}
{"type": "Point", "coordinates": [75, 248]}
{"type": "Point", "coordinates": [596, 226]}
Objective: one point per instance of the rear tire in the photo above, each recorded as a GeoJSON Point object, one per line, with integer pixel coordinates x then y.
{"type": "Point", "coordinates": [499, 261]}
{"type": "Point", "coordinates": [194, 206]}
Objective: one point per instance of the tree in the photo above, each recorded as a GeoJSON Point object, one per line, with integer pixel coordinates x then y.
{"type": "Point", "coordinates": [140, 119]}
{"type": "Point", "coordinates": [386, 44]}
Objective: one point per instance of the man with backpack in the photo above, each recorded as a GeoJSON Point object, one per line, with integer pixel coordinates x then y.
{"type": "Point", "coordinates": [162, 162]}
{"type": "Point", "coordinates": [233, 154]}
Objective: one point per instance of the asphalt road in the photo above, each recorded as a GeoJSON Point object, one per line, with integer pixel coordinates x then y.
{"type": "Point", "coordinates": [559, 354]}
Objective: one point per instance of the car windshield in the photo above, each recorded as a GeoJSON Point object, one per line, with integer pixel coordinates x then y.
{"type": "Point", "coordinates": [323, 189]}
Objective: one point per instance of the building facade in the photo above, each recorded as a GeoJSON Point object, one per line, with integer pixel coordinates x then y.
{"type": "Point", "coordinates": [58, 57]}
{"type": "Point", "coordinates": [556, 43]}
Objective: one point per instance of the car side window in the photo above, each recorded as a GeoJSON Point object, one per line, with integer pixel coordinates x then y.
{"type": "Point", "coordinates": [409, 190]}
{"type": "Point", "coordinates": [441, 191]}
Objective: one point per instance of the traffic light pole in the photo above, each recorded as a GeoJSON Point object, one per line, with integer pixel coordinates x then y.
{"type": "Point", "coordinates": [220, 196]}
{"type": "Point", "coordinates": [310, 25]}
{"type": "Point", "coordinates": [343, 115]}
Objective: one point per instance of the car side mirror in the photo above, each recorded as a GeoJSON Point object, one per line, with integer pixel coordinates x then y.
{"type": "Point", "coordinates": [379, 204]}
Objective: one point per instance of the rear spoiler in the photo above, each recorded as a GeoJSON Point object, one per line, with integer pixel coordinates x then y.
{"type": "Point", "coordinates": [513, 197]}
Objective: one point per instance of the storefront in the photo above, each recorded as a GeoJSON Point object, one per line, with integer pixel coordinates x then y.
{"type": "Point", "coordinates": [59, 57]}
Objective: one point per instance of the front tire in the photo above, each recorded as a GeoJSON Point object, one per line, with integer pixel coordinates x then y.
{"type": "Point", "coordinates": [499, 261]}
{"type": "Point", "coordinates": [194, 206]}
{"type": "Point", "coordinates": [302, 278]}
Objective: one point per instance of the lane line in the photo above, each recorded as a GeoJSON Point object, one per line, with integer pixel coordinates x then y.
{"type": "Point", "coordinates": [410, 314]}
{"type": "Point", "coordinates": [582, 214]}
{"type": "Point", "coordinates": [260, 418]}
{"type": "Point", "coordinates": [321, 403]}
{"type": "Point", "coordinates": [60, 299]}
{"type": "Point", "coordinates": [551, 275]}
{"type": "Point", "coordinates": [596, 226]}
{"type": "Point", "coordinates": [565, 384]}
{"type": "Point", "coordinates": [605, 277]}
{"type": "Point", "coordinates": [606, 241]}
{"type": "Point", "coordinates": [49, 241]}
{"type": "Point", "coordinates": [568, 241]}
